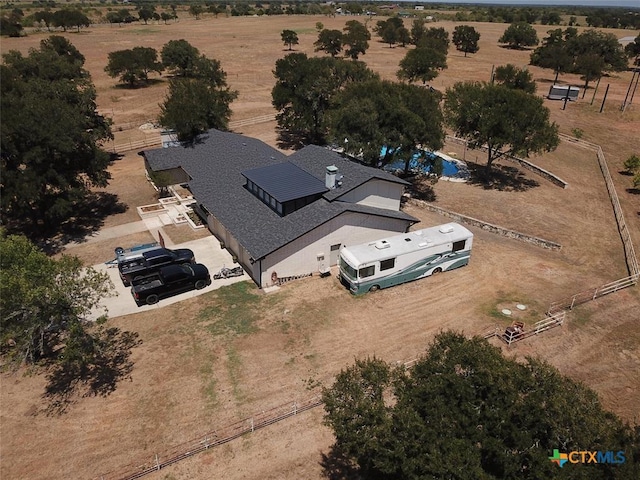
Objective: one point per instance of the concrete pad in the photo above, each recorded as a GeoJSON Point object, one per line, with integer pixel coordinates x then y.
{"type": "Point", "coordinates": [207, 251]}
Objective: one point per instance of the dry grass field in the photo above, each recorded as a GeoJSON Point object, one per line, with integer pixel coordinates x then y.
{"type": "Point", "coordinates": [223, 356]}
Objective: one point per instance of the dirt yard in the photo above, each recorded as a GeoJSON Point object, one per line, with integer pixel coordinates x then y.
{"type": "Point", "coordinates": [223, 356]}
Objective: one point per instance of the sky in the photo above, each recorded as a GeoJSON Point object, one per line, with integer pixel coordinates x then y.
{"type": "Point", "coordinates": [585, 3]}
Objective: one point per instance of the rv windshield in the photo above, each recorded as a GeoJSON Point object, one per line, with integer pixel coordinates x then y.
{"type": "Point", "coordinates": [348, 269]}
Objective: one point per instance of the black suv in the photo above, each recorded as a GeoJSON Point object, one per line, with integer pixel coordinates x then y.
{"type": "Point", "coordinates": [140, 264]}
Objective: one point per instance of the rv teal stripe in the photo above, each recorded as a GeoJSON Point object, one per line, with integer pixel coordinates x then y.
{"type": "Point", "coordinates": [417, 270]}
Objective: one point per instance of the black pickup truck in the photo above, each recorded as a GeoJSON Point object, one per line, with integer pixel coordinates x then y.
{"type": "Point", "coordinates": [141, 264]}
{"type": "Point", "coordinates": [168, 281]}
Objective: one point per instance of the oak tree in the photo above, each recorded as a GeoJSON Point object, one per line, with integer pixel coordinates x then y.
{"type": "Point", "coordinates": [513, 77]}
{"type": "Point", "coordinates": [519, 35]}
{"type": "Point", "coordinates": [422, 63]}
{"type": "Point", "coordinates": [289, 37]}
{"type": "Point", "coordinates": [355, 38]}
{"type": "Point", "coordinates": [465, 38]}
{"type": "Point", "coordinates": [329, 41]}
{"type": "Point", "coordinates": [198, 102]}
{"type": "Point", "coordinates": [505, 121]}
{"type": "Point", "coordinates": [466, 412]}
{"type": "Point", "coordinates": [51, 135]}
{"type": "Point", "coordinates": [133, 65]}
{"type": "Point", "coordinates": [366, 116]}
{"type": "Point", "coordinates": [303, 92]}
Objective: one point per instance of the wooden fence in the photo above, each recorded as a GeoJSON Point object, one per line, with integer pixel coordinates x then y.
{"type": "Point", "coordinates": [211, 439]}
{"type": "Point", "coordinates": [547, 323]}
{"type": "Point", "coordinates": [591, 294]}
{"type": "Point", "coordinates": [629, 251]}
{"type": "Point", "coordinates": [136, 145]}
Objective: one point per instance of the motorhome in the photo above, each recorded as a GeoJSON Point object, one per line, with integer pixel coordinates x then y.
{"type": "Point", "coordinates": [403, 258]}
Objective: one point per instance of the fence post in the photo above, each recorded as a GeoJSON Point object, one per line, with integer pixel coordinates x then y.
{"type": "Point", "coordinates": [157, 462]}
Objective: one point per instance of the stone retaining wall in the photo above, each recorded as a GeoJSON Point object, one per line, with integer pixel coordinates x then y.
{"type": "Point", "coordinates": [537, 241]}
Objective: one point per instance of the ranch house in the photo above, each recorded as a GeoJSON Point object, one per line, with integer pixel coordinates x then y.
{"type": "Point", "coordinates": [283, 216]}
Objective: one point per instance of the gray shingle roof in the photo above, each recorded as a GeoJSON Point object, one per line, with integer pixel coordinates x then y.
{"type": "Point", "coordinates": [216, 163]}
{"type": "Point", "coordinates": [316, 159]}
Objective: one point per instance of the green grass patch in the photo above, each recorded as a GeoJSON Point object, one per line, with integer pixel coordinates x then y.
{"type": "Point", "coordinates": [209, 390]}
{"type": "Point", "coordinates": [493, 309]}
{"type": "Point", "coordinates": [235, 310]}
{"type": "Point", "coordinates": [234, 370]}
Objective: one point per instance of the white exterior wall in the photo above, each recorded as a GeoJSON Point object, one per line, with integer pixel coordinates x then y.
{"type": "Point", "coordinates": [376, 193]}
{"type": "Point", "coordinates": [300, 257]}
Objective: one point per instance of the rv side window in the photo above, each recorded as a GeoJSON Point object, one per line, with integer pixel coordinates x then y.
{"type": "Point", "coordinates": [457, 246]}
{"type": "Point", "coordinates": [387, 264]}
{"type": "Point", "coordinates": [366, 272]}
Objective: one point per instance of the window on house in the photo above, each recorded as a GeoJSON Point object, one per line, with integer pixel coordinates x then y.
{"type": "Point", "coordinates": [387, 264]}
{"type": "Point", "coordinates": [459, 245]}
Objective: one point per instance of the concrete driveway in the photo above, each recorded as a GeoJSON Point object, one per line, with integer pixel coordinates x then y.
{"type": "Point", "coordinates": [207, 251]}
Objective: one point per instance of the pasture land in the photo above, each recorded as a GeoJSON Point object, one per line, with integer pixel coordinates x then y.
{"type": "Point", "coordinates": [225, 355]}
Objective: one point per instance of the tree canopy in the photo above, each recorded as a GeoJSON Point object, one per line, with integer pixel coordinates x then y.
{"type": "Point", "coordinates": [51, 132]}
{"type": "Point", "coordinates": [519, 35]}
{"type": "Point", "coordinates": [133, 65]}
{"type": "Point", "coordinates": [199, 101]}
{"type": "Point", "coordinates": [553, 53]}
{"type": "Point", "coordinates": [45, 305]}
{"type": "Point", "coordinates": [422, 63]}
{"type": "Point", "coordinates": [366, 116]}
{"type": "Point", "coordinates": [145, 12]}
{"type": "Point", "coordinates": [180, 57]}
{"type": "Point", "coordinates": [389, 30]}
{"type": "Point", "coordinates": [465, 38]}
{"type": "Point", "coordinates": [289, 37]}
{"type": "Point", "coordinates": [435, 38]}
{"type": "Point", "coordinates": [356, 38]}
{"type": "Point", "coordinates": [590, 53]}
{"type": "Point", "coordinates": [329, 41]}
{"type": "Point", "coordinates": [633, 50]}
{"type": "Point", "coordinates": [303, 92]}
{"type": "Point", "coordinates": [67, 18]}
{"type": "Point", "coordinates": [506, 121]}
{"type": "Point", "coordinates": [513, 77]}
{"type": "Point", "coordinates": [466, 412]}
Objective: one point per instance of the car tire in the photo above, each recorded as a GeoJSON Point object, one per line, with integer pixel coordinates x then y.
{"type": "Point", "coordinates": [200, 284]}
{"type": "Point", "coordinates": [152, 299]}
{"type": "Point", "coordinates": [436, 271]}
{"type": "Point", "coordinates": [374, 288]}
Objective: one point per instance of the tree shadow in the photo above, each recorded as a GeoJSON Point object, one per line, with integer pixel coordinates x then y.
{"type": "Point", "coordinates": [289, 140]}
{"type": "Point", "coordinates": [337, 466]}
{"type": "Point", "coordinates": [142, 84]}
{"type": "Point", "coordinates": [87, 218]}
{"type": "Point", "coordinates": [421, 187]}
{"type": "Point", "coordinates": [633, 191]}
{"type": "Point", "coordinates": [501, 177]}
{"type": "Point", "coordinates": [103, 362]}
